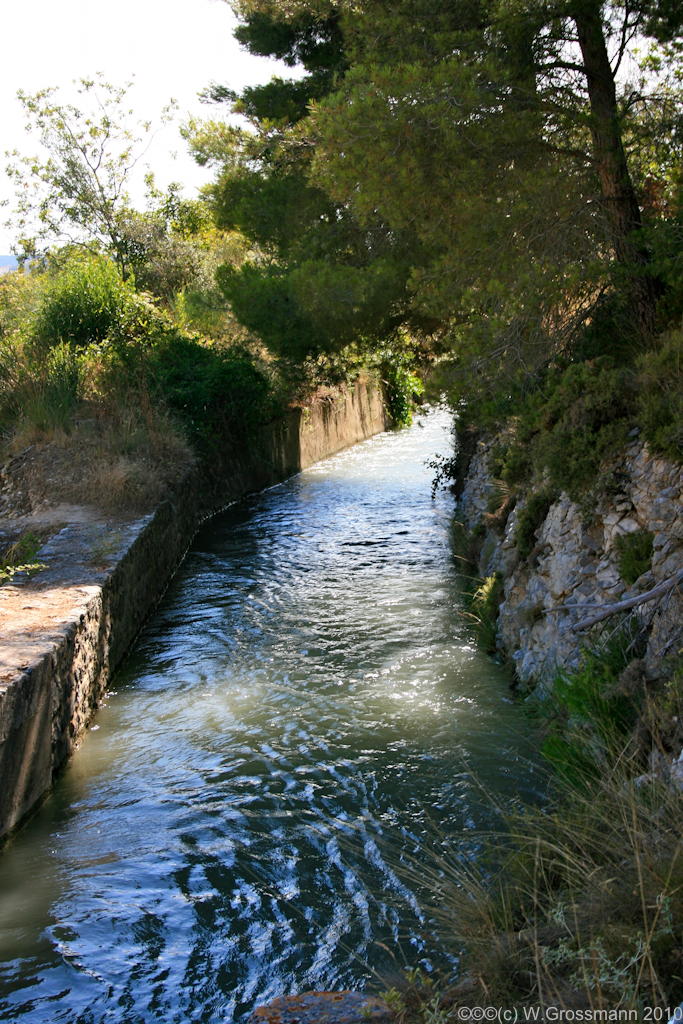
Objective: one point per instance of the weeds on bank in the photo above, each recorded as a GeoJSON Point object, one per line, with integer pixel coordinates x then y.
{"type": "Point", "coordinates": [122, 397]}
{"type": "Point", "coordinates": [481, 596]}
{"type": "Point", "coordinates": [584, 909]}
{"type": "Point", "coordinates": [19, 558]}
{"type": "Point", "coordinates": [481, 599]}
{"type": "Point", "coordinates": [483, 610]}
{"type": "Point", "coordinates": [588, 718]}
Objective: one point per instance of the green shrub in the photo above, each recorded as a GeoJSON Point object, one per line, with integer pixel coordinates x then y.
{"type": "Point", "coordinates": [211, 390]}
{"type": "Point", "coordinates": [10, 374]}
{"type": "Point", "coordinates": [94, 337]}
{"type": "Point", "coordinates": [83, 302]}
{"type": "Point", "coordinates": [585, 420]}
{"type": "Point", "coordinates": [530, 518]}
{"type": "Point", "coordinates": [590, 712]}
{"type": "Point", "coordinates": [660, 396]}
{"type": "Point", "coordinates": [512, 457]}
{"type": "Point", "coordinates": [562, 431]}
{"type": "Point", "coordinates": [634, 553]}
{"type": "Point", "coordinates": [578, 417]}
{"type": "Point", "coordinates": [401, 387]}
{"type": "Point", "coordinates": [516, 465]}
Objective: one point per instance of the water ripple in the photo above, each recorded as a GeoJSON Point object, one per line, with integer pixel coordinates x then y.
{"type": "Point", "coordinates": [297, 728]}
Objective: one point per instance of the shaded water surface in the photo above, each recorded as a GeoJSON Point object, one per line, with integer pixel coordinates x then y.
{"type": "Point", "coordinates": [305, 711]}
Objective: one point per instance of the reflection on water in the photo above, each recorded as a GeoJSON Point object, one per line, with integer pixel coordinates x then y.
{"type": "Point", "coordinates": [298, 725]}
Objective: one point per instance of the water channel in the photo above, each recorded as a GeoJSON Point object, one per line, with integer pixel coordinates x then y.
{"type": "Point", "coordinates": [303, 719]}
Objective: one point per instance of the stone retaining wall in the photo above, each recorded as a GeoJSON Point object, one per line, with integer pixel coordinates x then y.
{"type": "Point", "coordinates": [64, 631]}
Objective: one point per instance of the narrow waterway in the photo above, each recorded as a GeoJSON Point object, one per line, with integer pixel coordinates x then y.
{"type": "Point", "coordinates": [303, 720]}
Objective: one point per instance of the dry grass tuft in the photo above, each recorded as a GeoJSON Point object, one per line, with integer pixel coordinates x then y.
{"type": "Point", "coordinates": [576, 907]}
{"type": "Point", "coordinates": [122, 461]}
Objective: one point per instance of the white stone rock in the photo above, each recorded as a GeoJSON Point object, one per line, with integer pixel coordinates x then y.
{"type": "Point", "coordinates": [608, 577]}
{"type": "Point", "coordinates": [611, 518]}
{"type": "Point", "coordinates": [628, 525]}
{"type": "Point", "coordinates": [677, 772]}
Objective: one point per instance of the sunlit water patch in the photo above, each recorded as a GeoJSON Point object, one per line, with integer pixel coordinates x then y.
{"type": "Point", "coordinates": [303, 720]}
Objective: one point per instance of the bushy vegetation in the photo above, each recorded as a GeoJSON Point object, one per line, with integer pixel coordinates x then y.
{"type": "Point", "coordinates": [591, 711]}
{"type": "Point", "coordinates": [659, 406]}
{"type": "Point", "coordinates": [583, 420]}
{"type": "Point", "coordinates": [402, 386]}
{"type": "Point", "coordinates": [634, 554]}
{"type": "Point", "coordinates": [529, 520]}
{"type": "Point", "coordinates": [216, 394]}
{"type": "Point", "coordinates": [568, 428]}
{"type": "Point", "coordinates": [84, 302]}
{"type": "Point", "coordinates": [90, 363]}
{"type": "Point", "coordinates": [580, 909]}
{"type": "Point", "coordinates": [568, 431]}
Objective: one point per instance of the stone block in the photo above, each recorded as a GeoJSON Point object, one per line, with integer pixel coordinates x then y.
{"type": "Point", "coordinates": [324, 1008]}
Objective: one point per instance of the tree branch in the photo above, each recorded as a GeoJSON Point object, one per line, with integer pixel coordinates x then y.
{"type": "Point", "coordinates": [627, 604]}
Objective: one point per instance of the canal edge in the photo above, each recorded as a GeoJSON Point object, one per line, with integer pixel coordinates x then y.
{"type": "Point", "coordinates": [66, 630]}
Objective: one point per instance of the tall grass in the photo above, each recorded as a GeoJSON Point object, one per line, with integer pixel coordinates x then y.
{"type": "Point", "coordinates": [580, 907]}
{"type": "Point", "coordinates": [44, 392]}
{"type": "Point", "coordinates": [576, 905]}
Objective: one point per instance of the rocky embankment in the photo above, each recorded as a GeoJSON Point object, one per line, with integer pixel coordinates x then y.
{"type": "Point", "coordinates": [574, 571]}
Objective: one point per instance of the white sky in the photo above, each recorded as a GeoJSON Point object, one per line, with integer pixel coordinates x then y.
{"type": "Point", "coordinates": [174, 48]}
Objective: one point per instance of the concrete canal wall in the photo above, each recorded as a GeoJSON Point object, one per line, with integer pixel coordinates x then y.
{"type": "Point", "coordinates": [64, 631]}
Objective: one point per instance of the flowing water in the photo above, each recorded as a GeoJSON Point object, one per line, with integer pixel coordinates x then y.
{"type": "Point", "coordinates": [301, 722]}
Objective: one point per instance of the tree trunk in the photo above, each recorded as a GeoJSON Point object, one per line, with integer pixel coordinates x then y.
{"type": "Point", "coordinates": [617, 191]}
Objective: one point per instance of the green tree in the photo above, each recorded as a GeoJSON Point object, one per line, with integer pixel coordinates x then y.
{"type": "Point", "coordinates": [317, 279]}
{"type": "Point", "coordinates": [75, 191]}
{"type": "Point", "coordinates": [504, 133]}
{"type": "Point", "coordinates": [490, 142]}
{"type": "Point", "coordinates": [170, 246]}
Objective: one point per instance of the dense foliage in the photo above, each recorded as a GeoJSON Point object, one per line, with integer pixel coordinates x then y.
{"type": "Point", "coordinates": [318, 279]}
{"type": "Point", "coordinates": [480, 176]}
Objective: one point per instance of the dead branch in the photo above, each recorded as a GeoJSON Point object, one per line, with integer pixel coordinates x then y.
{"type": "Point", "coordinates": [630, 602]}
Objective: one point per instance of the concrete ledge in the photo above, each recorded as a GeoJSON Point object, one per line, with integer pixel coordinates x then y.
{"type": "Point", "coordinates": [64, 631]}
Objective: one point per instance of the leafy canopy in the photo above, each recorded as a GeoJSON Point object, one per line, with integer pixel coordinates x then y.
{"type": "Point", "coordinates": [317, 279]}
{"type": "Point", "coordinates": [488, 151]}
